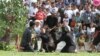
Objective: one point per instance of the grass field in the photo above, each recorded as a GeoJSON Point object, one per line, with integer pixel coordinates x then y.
{"type": "Point", "coordinates": [15, 53]}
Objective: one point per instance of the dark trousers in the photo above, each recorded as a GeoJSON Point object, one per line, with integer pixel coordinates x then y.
{"type": "Point", "coordinates": [27, 48]}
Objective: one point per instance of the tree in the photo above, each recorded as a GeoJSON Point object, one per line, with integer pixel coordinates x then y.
{"type": "Point", "coordinates": [12, 14]}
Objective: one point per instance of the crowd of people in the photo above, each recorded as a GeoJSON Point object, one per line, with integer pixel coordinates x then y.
{"type": "Point", "coordinates": [61, 25]}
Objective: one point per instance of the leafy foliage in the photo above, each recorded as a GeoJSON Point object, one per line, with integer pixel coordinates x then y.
{"type": "Point", "coordinates": [12, 14]}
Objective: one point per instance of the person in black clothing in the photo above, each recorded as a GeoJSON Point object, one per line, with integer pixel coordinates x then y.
{"type": "Point", "coordinates": [51, 22]}
{"type": "Point", "coordinates": [96, 39]}
{"type": "Point", "coordinates": [26, 39]}
{"type": "Point", "coordinates": [68, 38]}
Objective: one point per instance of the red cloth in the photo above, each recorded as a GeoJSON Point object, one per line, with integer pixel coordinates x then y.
{"type": "Point", "coordinates": [95, 34]}
{"type": "Point", "coordinates": [73, 23]}
{"type": "Point", "coordinates": [40, 15]}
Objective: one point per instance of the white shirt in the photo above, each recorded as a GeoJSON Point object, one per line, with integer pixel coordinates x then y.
{"type": "Point", "coordinates": [81, 12]}
{"type": "Point", "coordinates": [48, 14]}
{"type": "Point", "coordinates": [66, 20]}
{"type": "Point", "coordinates": [75, 11]}
{"type": "Point", "coordinates": [47, 6]}
{"type": "Point", "coordinates": [78, 2]}
{"type": "Point", "coordinates": [32, 11]}
{"type": "Point", "coordinates": [97, 11]}
{"type": "Point", "coordinates": [69, 13]}
{"type": "Point", "coordinates": [68, 27]}
{"type": "Point", "coordinates": [33, 1]}
{"type": "Point", "coordinates": [90, 30]}
{"type": "Point", "coordinates": [54, 9]}
{"type": "Point", "coordinates": [37, 29]}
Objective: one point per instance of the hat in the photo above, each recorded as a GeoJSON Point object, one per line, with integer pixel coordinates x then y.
{"type": "Point", "coordinates": [96, 2]}
{"type": "Point", "coordinates": [37, 21]}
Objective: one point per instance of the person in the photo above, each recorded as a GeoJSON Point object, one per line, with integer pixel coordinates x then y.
{"type": "Point", "coordinates": [66, 39]}
{"type": "Point", "coordinates": [32, 11]}
{"type": "Point", "coordinates": [96, 40]}
{"type": "Point", "coordinates": [26, 39]}
{"type": "Point", "coordinates": [53, 7]}
{"type": "Point", "coordinates": [37, 28]}
{"type": "Point", "coordinates": [86, 16]}
{"type": "Point", "coordinates": [44, 34]}
{"type": "Point", "coordinates": [78, 18]}
{"type": "Point", "coordinates": [68, 11]}
{"type": "Point", "coordinates": [52, 21]}
{"type": "Point", "coordinates": [40, 15]}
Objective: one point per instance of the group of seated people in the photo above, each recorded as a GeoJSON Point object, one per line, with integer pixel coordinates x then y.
{"type": "Point", "coordinates": [56, 26]}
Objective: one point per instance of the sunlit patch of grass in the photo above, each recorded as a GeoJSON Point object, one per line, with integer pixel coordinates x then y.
{"type": "Point", "coordinates": [15, 53]}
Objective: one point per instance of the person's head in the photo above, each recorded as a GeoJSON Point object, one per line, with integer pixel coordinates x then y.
{"type": "Point", "coordinates": [92, 8]}
{"type": "Point", "coordinates": [53, 4]}
{"type": "Point", "coordinates": [66, 15]}
{"type": "Point", "coordinates": [34, 4]}
{"type": "Point", "coordinates": [37, 22]}
{"type": "Point", "coordinates": [73, 16]}
{"type": "Point", "coordinates": [87, 9]}
{"type": "Point", "coordinates": [73, 7]}
{"type": "Point", "coordinates": [77, 14]}
{"type": "Point", "coordinates": [81, 7]}
{"type": "Point", "coordinates": [40, 8]}
{"type": "Point", "coordinates": [65, 23]}
{"type": "Point", "coordinates": [92, 25]}
{"type": "Point", "coordinates": [66, 7]}
{"type": "Point", "coordinates": [31, 24]}
{"type": "Point", "coordinates": [84, 27]}
{"type": "Point", "coordinates": [97, 15]}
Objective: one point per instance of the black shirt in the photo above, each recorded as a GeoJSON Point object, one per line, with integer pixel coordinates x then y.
{"type": "Point", "coordinates": [51, 21]}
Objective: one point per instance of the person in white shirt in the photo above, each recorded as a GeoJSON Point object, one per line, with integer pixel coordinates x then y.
{"type": "Point", "coordinates": [47, 11]}
{"type": "Point", "coordinates": [37, 26]}
{"type": "Point", "coordinates": [66, 18]}
{"type": "Point", "coordinates": [37, 29]}
{"type": "Point", "coordinates": [90, 32]}
{"type": "Point", "coordinates": [67, 25]}
{"type": "Point", "coordinates": [75, 9]}
{"type": "Point", "coordinates": [33, 10]}
{"type": "Point", "coordinates": [47, 4]}
{"type": "Point", "coordinates": [53, 8]}
{"type": "Point", "coordinates": [69, 12]}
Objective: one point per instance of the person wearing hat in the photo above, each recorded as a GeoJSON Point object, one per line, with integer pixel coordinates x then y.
{"type": "Point", "coordinates": [26, 39]}
{"type": "Point", "coordinates": [37, 28]}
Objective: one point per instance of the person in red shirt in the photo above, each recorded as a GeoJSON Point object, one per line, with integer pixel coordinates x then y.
{"type": "Point", "coordinates": [40, 15]}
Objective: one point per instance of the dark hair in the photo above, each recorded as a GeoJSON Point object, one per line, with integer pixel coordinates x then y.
{"type": "Point", "coordinates": [32, 24]}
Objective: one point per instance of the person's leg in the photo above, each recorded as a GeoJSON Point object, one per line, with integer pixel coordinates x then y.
{"type": "Point", "coordinates": [27, 48]}
{"type": "Point", "coordinates": [72, 49]}
{"type": "Point", "coordinates": [39, 44]}
{"type": "Point", "coordinates": [95, 43]}
{"type": "Point", "coordinates": [60, 46]}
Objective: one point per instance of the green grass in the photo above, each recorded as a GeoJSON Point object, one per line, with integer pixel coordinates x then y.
{"type": "Point", "coordinates": [15, 53]}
